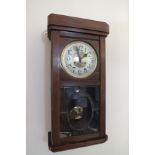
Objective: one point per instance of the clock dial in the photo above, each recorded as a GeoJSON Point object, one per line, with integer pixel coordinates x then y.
{"type": "Point", "coordinates": [79, 59]}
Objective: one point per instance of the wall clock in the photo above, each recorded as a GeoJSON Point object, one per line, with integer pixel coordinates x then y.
{"type": "Point", "coordinates": [78, 82]}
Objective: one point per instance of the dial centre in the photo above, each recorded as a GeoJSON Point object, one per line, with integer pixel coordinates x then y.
{"type": "Point", "coordinates": [79, 61]}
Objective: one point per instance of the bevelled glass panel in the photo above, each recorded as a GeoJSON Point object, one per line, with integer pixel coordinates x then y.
{"type": "Point", "coordinates": [79, 110]}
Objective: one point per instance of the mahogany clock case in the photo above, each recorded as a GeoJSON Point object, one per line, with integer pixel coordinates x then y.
{"type": "Point", "coordinates": [68, 92]}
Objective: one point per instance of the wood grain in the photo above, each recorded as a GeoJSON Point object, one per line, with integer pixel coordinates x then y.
{"type": "Point", "coordinates": [55, 85]}
{"type": "Point", "coordinates": [74, 22]}
{"type": "Point", "coordinates": [68, 146]}
{"type": "Point", "coordinates": [102, 86]}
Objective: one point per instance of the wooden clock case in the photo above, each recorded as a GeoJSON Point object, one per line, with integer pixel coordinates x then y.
{"type": "Point", "coordinates": [61, 31]}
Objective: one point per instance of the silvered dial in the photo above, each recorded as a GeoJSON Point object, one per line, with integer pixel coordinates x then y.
{"type": "Point", "coordinates": [79, 59]}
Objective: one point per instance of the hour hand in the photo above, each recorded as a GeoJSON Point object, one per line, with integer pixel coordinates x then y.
{"type": "Point", "coordinates": [84, 55]}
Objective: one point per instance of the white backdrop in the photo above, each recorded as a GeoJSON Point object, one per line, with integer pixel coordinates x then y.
{"type": "Point", "coordinates": [115, 13]}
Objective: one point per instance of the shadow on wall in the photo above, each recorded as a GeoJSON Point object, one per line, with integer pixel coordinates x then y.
{"type": "Point", "coordinates": [47, 84]}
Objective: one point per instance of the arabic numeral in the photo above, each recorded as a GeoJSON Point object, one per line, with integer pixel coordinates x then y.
{"type": "Point", "coordinates": [89, 66]}
{"type": "Point", "coordinates": [80, 48]}
{"type": "Point", "coordinates": [85, 50]}
{"type": "Point", "coordinates": [69, 52]}
{"type": "Point", "coordinates": [70, 66]}
{"type": "Point", "coordinates": [85, 70]}
{"type": "Point", "coordinates": [68, 58]}
{"type": "Point", "coordinates": [89, 55]}
{"type": "Point", "coordinates": [79, 71]}
{"type": "Point", "coordinates": [92, 60]}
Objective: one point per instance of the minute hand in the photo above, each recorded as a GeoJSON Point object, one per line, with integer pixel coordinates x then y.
{"type": "Point", "coordinates": [78, 53]}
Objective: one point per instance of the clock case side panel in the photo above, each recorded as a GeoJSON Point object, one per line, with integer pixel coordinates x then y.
{"type": "Point", "coordinates": [55, 92]}
{"type": "Point", "coordinates": [102, 87]}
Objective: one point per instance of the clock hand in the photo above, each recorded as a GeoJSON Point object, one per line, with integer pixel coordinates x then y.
{"type": "Point", "coordinates": [85, 55]}
{"type": "Point", "coordinates": [78, 53]}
